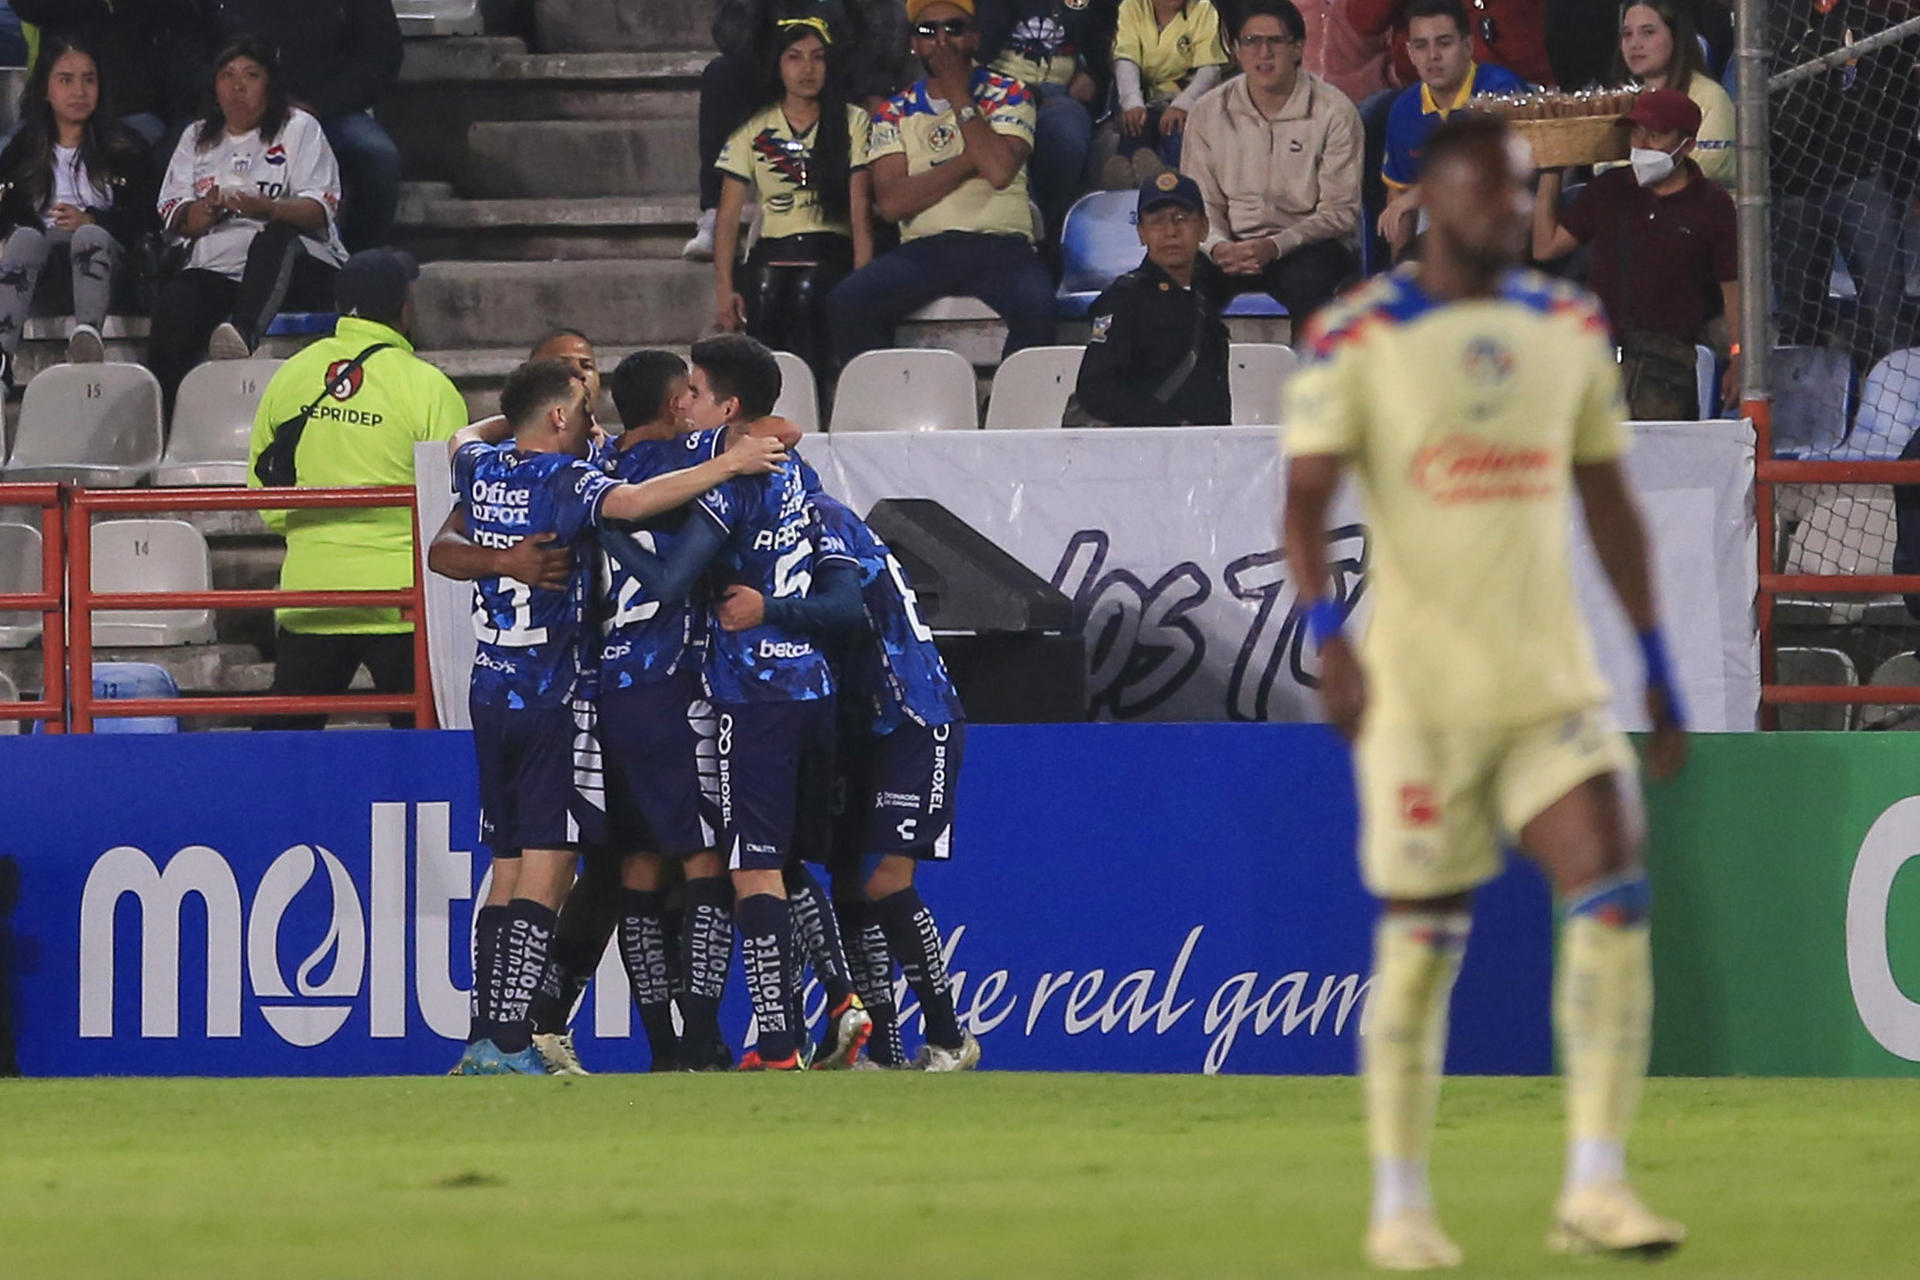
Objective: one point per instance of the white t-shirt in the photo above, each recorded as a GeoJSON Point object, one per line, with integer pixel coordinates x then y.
{"type": "Point", "coordinates": [72, 185]}
{"type": "Point", "coordinates": [297, 165]}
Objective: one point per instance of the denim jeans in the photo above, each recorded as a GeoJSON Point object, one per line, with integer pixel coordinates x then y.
{"type": "Point", "coordinates": [369, 178]}
{"type": "Point", "coordinates": [1061, 137]}
{"type": "Point", "coordinates": [1001, 271]}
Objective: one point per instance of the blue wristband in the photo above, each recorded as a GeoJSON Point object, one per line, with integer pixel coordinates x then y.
{"type": "Point", "coordinates": [1653, 651]}
{"type": "Point", "coordinates": [1324, 621]}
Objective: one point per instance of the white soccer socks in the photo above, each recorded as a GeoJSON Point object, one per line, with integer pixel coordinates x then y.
{"type": "Point", "coordinates": [1603, 1012]}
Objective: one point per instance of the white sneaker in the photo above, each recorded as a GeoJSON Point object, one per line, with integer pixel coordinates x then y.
{"type": "Point", "coordinates": [852, 1025]}
{"type": "Point", "coordinates": [1607, 1217]}
{"type": "Point", "coordinates": [965, 1058]}
{"type": "Point", "coordinates": [85, 346]}
{"type": "Point", "coordinates": [700, 248]}
{"type": "Point", "coordinates": [1411, 1240]}
{"type": "Point", "coordinates": [557, 1052]}
{"type": "Point", "coordinates": [227, 344]}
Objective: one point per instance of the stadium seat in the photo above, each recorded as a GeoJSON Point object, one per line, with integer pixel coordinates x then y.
{"type": "Point", "coordinates": [1098, 243]}
{"type": "Point", "coordinates": [1849, 529]}
{"type": "Point", "coordinates": [1256, 371]}
{"type": "Point", "coordinates": [20, 565]}
{"type": "Point", "coordinates": [1706, 367]}
{"type": "Point", "coordinates": [1814, 667]}
{"type": "Point", "coordinates": [1889, 408]}
{"type": "Point", "coordinates": [9, 692]}
{"type": "Point", "coordinates": [956, 308]}
{"type": "Point", "coordinates": [1900, 669]}
{"type": "Point", "coordinates": [1812, 388]}
{"type": "Point", "coordinates": [1031, 387]}
{"type": "Point", "coordinates": [91, 424]}
{"type": "Point", "coordinates": [1253, 304]}
{"type": "Point", "coordinates": [113, 681]}
{"type": "Point", "coordinates": [906, 390]}
{"type": "Point", "coordinates": [302, 324]}
{"type": "Point", "coordinates": [799, 401]}
{"type": "Point", "coordinates": [150, 555]}
{"type": "Point", "coordinates": [213, 422]}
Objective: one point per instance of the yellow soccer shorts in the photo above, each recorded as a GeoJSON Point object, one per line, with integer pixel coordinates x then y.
{"type": "Point", "coordinates": [1436, 805]}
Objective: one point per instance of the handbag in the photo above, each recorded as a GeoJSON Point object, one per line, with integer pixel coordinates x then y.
{"type": "Point", "coordinates": [275, 465]}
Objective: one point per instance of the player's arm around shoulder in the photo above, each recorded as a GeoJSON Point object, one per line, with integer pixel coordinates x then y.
{"type": "Point", "coordinates": [746, 455]}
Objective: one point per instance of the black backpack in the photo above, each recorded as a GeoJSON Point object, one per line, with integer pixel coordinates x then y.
{"type": "Point", "coordinates": [274, 466]}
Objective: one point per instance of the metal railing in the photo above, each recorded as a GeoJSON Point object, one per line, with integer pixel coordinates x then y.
{"type": "Point", "coordinates": [50, 708]}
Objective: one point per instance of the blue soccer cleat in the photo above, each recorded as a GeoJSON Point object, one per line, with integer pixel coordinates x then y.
{"type": "Point", "coordinates": [487, 1059]}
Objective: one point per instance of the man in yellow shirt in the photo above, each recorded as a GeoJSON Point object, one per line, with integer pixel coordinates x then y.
{"type": "Point", "coordinates": [361, 432]}
{"type": "Point", "coordinates": [949, 164]}
{"type": "Point", "coordinates": [1470, 400]}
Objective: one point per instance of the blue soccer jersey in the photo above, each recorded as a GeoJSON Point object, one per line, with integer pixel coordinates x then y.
{"type": "Point", "coordinates": [642, 641]}
{"type": "Point", "coordinates": [896, 669]}
{"type": "Point", "coordinates": [770, 529]}
{"type": "Point", "coordinates": [534, 647]}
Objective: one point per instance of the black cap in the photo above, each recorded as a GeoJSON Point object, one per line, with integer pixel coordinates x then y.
{"type": "Point", "coordinates": [374, 282]}
{"type": "Point", "coordinates": [1170, 188]}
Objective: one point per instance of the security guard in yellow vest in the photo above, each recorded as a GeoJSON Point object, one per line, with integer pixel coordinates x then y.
{"type": "Point", "coordinates": [362, 432]}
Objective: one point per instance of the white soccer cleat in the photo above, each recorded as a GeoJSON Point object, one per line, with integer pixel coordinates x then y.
{"type": "Point", "coordinates": [700, 248]}
{"type": "Point", "coordinates": [852, 1026]}
{"type": "Point", "coordinates": [965, 1058]}
{"type": "Point", "coordinates": [1411, 1240]}
{"type": "Point", "coordinates": [1607, 1217]}
{"type": "Point", "coordinates": [556, 1051]}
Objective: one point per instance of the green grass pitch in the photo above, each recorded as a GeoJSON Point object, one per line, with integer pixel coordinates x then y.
{"type": "Point", "coordinates": [1005, 1176]}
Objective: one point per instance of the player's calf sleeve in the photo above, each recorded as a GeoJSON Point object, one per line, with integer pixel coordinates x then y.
{"type": "Point", "coordinates": [570, 964]}
{"type": "Point", "coordinates": [487, 980]}
{"type": "Point", "coordinates": [706, 954]}
{"type": "Point", "coordinates": [1603, 1010]}
{"type": "Point", "coordinates": [914, 939]}
{"type": "Point", "coordinates": [872, 969]}
{"type": "Point", "coordinates": [766, 941]}
{"type": "Point", "coordinates": [643, 950]}
{"type": "Point", "coordinates": [818, 932]}
{"type": "Point", "coordinates": [525, 942]}
{"type": "Point", "coordinates": [1416, 957]}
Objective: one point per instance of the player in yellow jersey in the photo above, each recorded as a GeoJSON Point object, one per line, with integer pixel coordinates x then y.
{"type": "Point", "coordinates": [1471, 400]}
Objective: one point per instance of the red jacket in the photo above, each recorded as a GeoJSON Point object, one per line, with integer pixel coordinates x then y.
{"type": "Point", "coordinates": [1519, 34]}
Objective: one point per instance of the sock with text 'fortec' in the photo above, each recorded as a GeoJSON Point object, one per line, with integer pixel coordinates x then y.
{"type": "Point", "coordinates": [570, 966]}
{"type": "Point", "coordinates": [706, 954]}
{"type": "Point", "coordinates": [873, 978]}
{"type": "Point", "coordinates": [488, 981]}
{"type": "Point", "coordinates": [766, 943]}
{"type": "Point", "coordinates": [643, 950]}
{"type": "Point", "coordinates": [525, 942]}
{"type": "Point", "coordinates": [914, 939]}
{"type": "Point", "coordinates": [818, 932]}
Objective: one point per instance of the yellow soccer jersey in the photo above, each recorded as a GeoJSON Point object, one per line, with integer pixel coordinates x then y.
{"type": "Point", "coordinates": [767, 155]}
{"type": "Point", "coordinates": [1168, 56]}
{"type": "Point", "coordinates": [911, 124]}
{"type": "Point", "coordinates": [1461, 423]}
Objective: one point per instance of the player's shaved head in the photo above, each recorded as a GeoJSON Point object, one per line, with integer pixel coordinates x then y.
{"type": "Point", "coordinates": [534, 388]}
{"type": "Point", "coordinates": [1473, 181]}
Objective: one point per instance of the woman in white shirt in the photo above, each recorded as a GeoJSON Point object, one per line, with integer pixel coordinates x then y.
{"type": "Point", "coordinates": [254, 190]}
{"type": "Point", "coordinates": [76, 188]}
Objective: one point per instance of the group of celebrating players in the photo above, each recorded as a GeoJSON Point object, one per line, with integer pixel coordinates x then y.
{"type": "Point", "coordinates": [696, 673]}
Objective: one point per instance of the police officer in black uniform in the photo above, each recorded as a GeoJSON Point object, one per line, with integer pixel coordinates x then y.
{"type": "Point", "coordinates": [1158, 353]}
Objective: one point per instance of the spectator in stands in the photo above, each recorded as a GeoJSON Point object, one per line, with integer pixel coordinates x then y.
{"type": "Point", "coordinates": [340, 58]}
{"type": "Point", "coordinates": [1166, 55]}
{"type": "Point", "coordinates": [949, 164]}
{"type": "Point", "coordinates": [1158, 353]}
{"type": "Point", "coordinates": [13, 42]}
{"type": "Point", "coordinates": [803, 157]}
{"type": "Point", "coordinates": [362, 432]}
{"type": "Point", "coordinates": [1276, 154]}
{"type": "Point", "coordinates": [1665, 254]}
{"type": "Point", "coordinates": [1659, 49]}
{"type": "Point", "coordinates": [1506, 33]}
{"type": "Point", "coordinates": [871, 33]}
{"type": "Point", "coordinates": [1054, 49]}
{"type": "Point", "coordinates": [76, 190]}
{"type": "Point", "coordinates": [140, 47]}
{"type": "Point", "coordinates": [253, 190]}
{"type": "Point", "coordinates": [1442, 52]}
{"type": "Point", "coordinates": [1354, 64]}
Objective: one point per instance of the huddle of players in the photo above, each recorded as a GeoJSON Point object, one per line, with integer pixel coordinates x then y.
{"type": "Point", "coordinates": [682, 600]}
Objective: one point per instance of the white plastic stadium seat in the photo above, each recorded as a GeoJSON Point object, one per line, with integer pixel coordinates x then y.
{"type": "Point", "coordinates": [799, 401]}
{"type": "Point", "coordinates": [213, 423]}
{"type": "Point", "coordinates": [91, 424]}
{"type": "Point", "coordinates": [20, 566]}
{"type": "Point", "coordinates": [150, 555]}
{"type": "Point", "coordinates": [906, 390]}
{"type": "Point", "coordinates": [1031, 387]}
{"type": "Point", "coordinates": [1098, 243]}
{"type": "Point", "coordinates": [1889, 410]}
{"type": "Point", "coordinates": [1900, 669]}
{"type": "Point", "coordinates": [1850, 529]}
{"type": "Point", "coordinates": [955, 309]}
{"type": "Point", "coordinates": [1256, 371]}
{"type": "Point", "coordinates": [1811, 389]}
{"type": "Point", "coordinates": [1818, 667]}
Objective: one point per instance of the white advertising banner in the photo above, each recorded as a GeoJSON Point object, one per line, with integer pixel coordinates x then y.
{"type": "Point", "coordinates": [1167, 541]}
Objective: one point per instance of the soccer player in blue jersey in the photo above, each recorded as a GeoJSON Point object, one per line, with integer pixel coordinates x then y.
{"type": "Point", "coordinates": [903, 732]}
{"type": "Point", "coordinates": [534, 732]}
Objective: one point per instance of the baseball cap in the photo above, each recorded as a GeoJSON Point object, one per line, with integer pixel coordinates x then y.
{"type": "Point", "coordinates": [374, 282]}
{"type": "Point", "coordinates": [1665, 111]}
{"type": "Point", "coordinates": [1170, 188]}
{"type": "Point", "coordinates": [916, 7]}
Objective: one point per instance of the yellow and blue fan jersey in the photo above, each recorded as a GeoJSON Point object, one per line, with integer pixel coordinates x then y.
{"type": "Point", "coordinates": [642, 640]}
{"type": "Point", "coordinates": [912, 124]}
{"type": "Point", "coordinates": [535, 649]}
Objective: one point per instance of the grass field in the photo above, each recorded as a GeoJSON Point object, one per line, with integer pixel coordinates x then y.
{"type": "Point", "coordinates": [987, 1175]}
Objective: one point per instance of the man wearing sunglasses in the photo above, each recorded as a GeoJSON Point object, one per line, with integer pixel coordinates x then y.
{"type": "Point", "coordinates": [1276, 154]}
{"type": "Point", "coordinates": [949, 164]}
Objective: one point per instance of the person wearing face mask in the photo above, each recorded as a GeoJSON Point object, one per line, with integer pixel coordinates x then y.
{"type": "Point", "coordinates": [1664, 254]}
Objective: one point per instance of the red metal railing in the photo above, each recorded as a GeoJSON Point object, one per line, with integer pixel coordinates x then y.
{"type": "Point", "coordinates": [85, 600]}
{"type": "Point", "coordinates": [49, 602]}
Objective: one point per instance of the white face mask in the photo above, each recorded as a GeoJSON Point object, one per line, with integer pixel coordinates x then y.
{"type": "Point", "coordinates": [1650, 166]}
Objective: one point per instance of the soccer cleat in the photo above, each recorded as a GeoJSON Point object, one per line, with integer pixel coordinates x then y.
{"type": "Point", "coordinates": [485, 1058]}
{"type": "Point", "coordinates": [1411, 1240]}
{"type": "Point", "coordinates": [556, 1050]}
{"type": "Point", "coordinates": [752, 1061]}
{"type": "Point", "coordinates": [468, 1060]}
{"type": "Point", "coordinates": [700, 248]}
{"type": "Point", "coordinates": [965, 1058]}
{"type": "Point", "coordinates": [1607, 1217]}
{"type": "Point", "coordinates": [84, 345]}
{"type": "Point", "coordinates": [227, 344]}
{"type": "Point", "coordinates": [849, 1026]}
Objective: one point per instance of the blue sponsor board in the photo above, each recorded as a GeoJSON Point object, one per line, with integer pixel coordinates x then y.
{"type": "Point", "coordinates": [1137, 897]}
